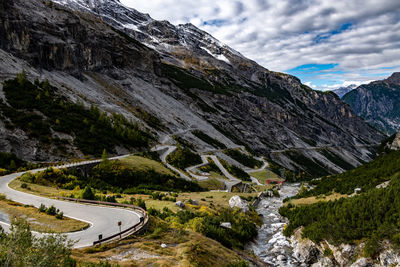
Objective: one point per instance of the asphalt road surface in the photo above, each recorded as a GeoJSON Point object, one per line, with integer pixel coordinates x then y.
{"type": "Point", "coordinates": [102, 220]}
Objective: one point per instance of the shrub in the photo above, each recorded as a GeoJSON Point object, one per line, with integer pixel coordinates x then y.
{"type": "Point", "coordinates": [141, 203]}
{"type": "Point", "coordinates": [3, 171]}
{"type": "Point", "coordinates": [328, 252]}
{"type": "Point", "coordinates": [24, 185]}
{"type": "Point", "coordinates": [87, 193]}
{"type": "Point", "coordinates": [60, 215]}
{"type": "Point", "coordinates": [29, 250]}
{"type": "Point", "coordinates": [42, 208]}
{"type": "Point", "coordinates": [51, 210]}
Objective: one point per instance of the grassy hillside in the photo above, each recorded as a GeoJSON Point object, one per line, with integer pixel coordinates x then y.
{"type": "Point", "coordinates": [372, 216]}
{"type": "Point", "coordinates": [366, 177]}
{"type": "Point", "coordinates": [113, 176]}
{"type": "Point", "coordinates": [142, 164]}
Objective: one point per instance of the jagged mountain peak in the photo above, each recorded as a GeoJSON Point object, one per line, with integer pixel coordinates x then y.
{"type": "Point", "coordinates": [344, 90]}
{"type": "Point", "coordinates": [110, 8]}
{"type": "Point", "coordinates": [378, 103]}
{"type": "Point", "coordinates": [394, 78]}
{"type": "Point", "coordinates": [187, 80]}
{"type": "Point", "coordinates": [159, 35]}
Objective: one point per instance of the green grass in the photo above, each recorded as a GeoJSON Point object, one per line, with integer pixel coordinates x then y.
{"type": "Point", "coordinates": [140, 163]}
{"type": "Point", "coordinates": [264, 175]}
{"type": "Point", "coordinates": [40, 221]}
{"type": "Point", "coordinates": [212, 184]}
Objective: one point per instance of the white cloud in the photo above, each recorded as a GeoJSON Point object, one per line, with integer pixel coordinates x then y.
{"type": "Point", "coordinates": [360, 35]}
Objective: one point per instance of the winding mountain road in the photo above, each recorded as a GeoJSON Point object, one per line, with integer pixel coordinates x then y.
{"type": "Point", "coordinates": [163, 157]}
{"type": "Point", "coordinates": [103, 220]}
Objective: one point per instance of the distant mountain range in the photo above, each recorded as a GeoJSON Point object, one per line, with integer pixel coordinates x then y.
{"type": "Point", "coordinates": [378, 103]}
{"type": "Point", "coordinates": [344, 90]}
{"type": "Point", "coordinates": [171, 80]}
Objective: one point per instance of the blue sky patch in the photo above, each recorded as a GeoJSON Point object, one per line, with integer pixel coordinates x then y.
{"type": "Point", "coordinates": [323, 36]}
{"type": "Point", "coordinates": [215, 22]}
{"type": "Point", "coordinates": [317, 73]}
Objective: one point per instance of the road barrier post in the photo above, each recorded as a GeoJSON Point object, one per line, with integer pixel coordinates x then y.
{"type": "Point", "coordinates": [119, 224]}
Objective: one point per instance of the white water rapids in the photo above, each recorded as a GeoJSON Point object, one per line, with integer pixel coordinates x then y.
{"type": "Point", "coordinates": [271, 246]}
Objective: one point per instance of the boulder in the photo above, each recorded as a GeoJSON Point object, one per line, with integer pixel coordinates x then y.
{"type": "Point", "coordinates": [227, 225]}
{"type": "Point", "coordinates": [240, 203]}
{"type": "Point", "coordinates": [180, 204]}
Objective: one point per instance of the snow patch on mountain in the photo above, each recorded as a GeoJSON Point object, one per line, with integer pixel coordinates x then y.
{"type": "Point", "coordinates": [219, 57]}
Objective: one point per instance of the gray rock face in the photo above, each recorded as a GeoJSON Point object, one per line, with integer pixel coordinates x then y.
{"type": "Point", "coordinates": [396, 142]}
{"type": "Point", "coordinates": [378, 103]}
{"type": "Point", "coordinates": [305, 250]}
{"type": "Point", "coordinates": [116, 58]}
{"type": "Point", "coordinates": [238, 202]}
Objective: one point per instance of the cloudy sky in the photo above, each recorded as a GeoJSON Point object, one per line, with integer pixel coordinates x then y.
{"type": "Point", "coordinates": [326, 43]}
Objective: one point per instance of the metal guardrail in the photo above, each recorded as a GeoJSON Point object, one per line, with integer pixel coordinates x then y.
{"type": "Point", "coordinates": [135, 228]}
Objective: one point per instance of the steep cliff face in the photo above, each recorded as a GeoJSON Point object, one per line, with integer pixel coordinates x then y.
{"type": "Point", "coordinates": [378, 103]}
{"type": "Point", "coordinates": [102, 53]}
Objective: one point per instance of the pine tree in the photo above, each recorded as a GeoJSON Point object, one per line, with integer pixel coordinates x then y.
{"type": "Point", "coordinates": [104, 156]}
{"type": "Point", "coordinates": [13, 166]}
{"type": "Point", "coordinates": [22, 77]}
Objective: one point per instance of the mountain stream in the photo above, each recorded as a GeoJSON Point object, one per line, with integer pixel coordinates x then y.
{"type": "Point", "coordinates": [271, 246]}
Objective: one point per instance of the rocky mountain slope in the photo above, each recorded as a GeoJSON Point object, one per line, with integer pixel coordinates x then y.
{"type": "Point", "coordinates": [344, 90]}
{"type": "Point", "coordinates": [173, 80]}
{"type": "Point", "coordinates": [378, 103]}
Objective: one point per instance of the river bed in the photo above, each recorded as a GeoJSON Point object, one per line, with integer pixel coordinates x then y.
{"type": "Point", "coordinates": [271, 246]}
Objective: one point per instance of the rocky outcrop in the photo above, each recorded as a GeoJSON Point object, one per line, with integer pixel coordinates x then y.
{"type": "Point", "coordinates": [389, 257]}
{"type": "Point", "coordinates": [174, 79]}
{"type": "Point", "coordinates": [343, 255]}
{"type": "Point", "coordinates": [378, 103]}
{"type": "Point", "coordinates": [238, 202]}
{"type": "Point", "coordinates": [396, 142]}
